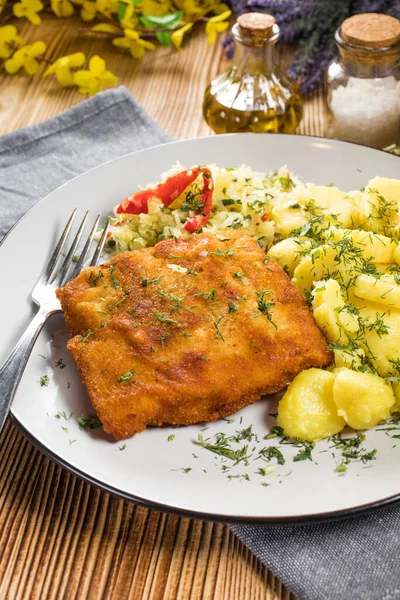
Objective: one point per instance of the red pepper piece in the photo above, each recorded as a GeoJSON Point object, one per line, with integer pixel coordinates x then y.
{"type": "Point", "coordinates": [168, 191]}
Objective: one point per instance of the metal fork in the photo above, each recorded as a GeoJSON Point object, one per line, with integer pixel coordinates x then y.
{"type": "Point", "coordinates": [44, 296]}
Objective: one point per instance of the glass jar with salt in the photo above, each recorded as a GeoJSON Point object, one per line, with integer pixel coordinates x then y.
{"type": "Point", "coordinates": [363, 84]}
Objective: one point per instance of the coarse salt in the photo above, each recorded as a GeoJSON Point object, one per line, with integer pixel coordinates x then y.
{"type": "Point", "coordinates": [367, 111]}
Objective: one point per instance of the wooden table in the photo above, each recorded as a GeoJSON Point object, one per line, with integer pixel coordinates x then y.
{"type": "Point", "coordinates": [60, 537]}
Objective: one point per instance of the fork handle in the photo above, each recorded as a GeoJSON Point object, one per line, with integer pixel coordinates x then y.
{"type": "Point", "coordinates": [14, 367]}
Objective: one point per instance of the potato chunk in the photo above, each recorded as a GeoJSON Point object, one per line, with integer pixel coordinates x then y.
{"type": "Point", "coordinates": [362, 399]}
{"type": "Point", "coordinates": [287, 253]}
{"type": "Point", "coordinates": [384, 291]}
{"type": "Point", "coordinates": [330, 311]}
{"type": "Point", "coordinates": [307, 410]}
{"type": "Point", "coordinates": [378, 249]}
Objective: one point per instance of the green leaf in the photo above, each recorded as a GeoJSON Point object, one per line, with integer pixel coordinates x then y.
{"type": "Point", "coordinates": [121, 10]}
{"type": "Point", "coordinates": [169, 21]}
{"type": "Point", "coordinates": [164, 37]}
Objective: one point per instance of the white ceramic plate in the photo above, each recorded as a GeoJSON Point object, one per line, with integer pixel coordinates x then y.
{"type": "Point", "coordinates": [151, 469]}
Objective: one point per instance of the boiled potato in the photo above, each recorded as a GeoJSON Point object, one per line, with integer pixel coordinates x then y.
{"type": "Point", "coordinates": [362, 399]}
{"type": "Point", "coordinates": [321, 263]}
{"type": "Point", "coordinates": [381, 334]}
{"type": "Point", "coordinates": [375, 248]}
{"type": "Point", "coordinates": [396, 254]}
{"type": "Point", "coordinates": [351, 360]}
{"type": "Point", "coordinates": [381, 205]}
{"type": "Point", "coordinates": [327, 298]}
{"type": "Point", "coordinates": [384, 291]}
{"type": "Point", "coordinates": [315, 266]}
{"type": "Point", "coordinates": [396, 392]}
{"type": "Point", "coordinates": [307, 410]}
{"type": "Point", "coordinates": [287, 253]}
{"type": "Point", "coordinates": [288, 219]}
{"type": "Point", "coordinates": [335, 202]}
{"type": "Point", "coordinates": [386, 187]}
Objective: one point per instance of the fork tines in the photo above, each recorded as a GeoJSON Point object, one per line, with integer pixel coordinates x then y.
{"type": "Point", "coordinates": [64, 275]}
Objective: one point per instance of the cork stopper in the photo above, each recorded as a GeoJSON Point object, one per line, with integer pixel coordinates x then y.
{"type": "Point", "coordinates": [371, 30]}
{"type": "Point", "coordinates": [259, 25]}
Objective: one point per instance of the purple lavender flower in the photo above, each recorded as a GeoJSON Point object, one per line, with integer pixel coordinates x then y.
{"type": "Point", "coordinates": [229, 46]}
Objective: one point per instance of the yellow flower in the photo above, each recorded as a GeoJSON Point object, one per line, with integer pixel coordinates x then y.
{"type": "Point", "coordinates": [96, 78]}
{"type": "Point", "coordinates": [62, 8]}
{"type": "Point", "coordinates": [61, 68]}
{"type": "Point", "coordinates": [26, 57]}
{"type": "Point", "coordinates": [29, 9]}
{"type": "Point", "coordinates": [8, 38]}
{"type": "Point", "coordinates": [129, 20]}
{"type": "Point", "coordinates": [136, 45]}
{"type": "Point", "coordinates": [106, 27]}
{"type": "Point", "coordinates": [199, 8]}
{"type": "Point", "coordinates": [2, 5]}
{"type": "Point", "coordinates": [156, 7]}
{"type": "Point", "coordinates": [220, 8]}
{"type": "Point", "coordinates": [107, 8]}
{"type": "Point", "coordinates": [216, 25]}
{"type": "Point", "coordinates": [89, 10]}
{"type": "Point", "coordinates": [177, 36]}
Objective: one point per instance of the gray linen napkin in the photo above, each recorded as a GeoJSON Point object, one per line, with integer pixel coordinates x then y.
{"type": "Point", "coordinates": [353, 559]}
{"type": "Point", "coordinates": [36, 160]}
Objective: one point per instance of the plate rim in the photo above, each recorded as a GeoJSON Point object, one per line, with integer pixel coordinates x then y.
{"type": "Point", "coordinates": [237, 519]}
{"type": "Point", "coordinates": [311, 519]}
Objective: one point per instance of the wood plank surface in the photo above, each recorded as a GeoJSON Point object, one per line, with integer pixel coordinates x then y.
{"type": "Point", "coordinates": [61, 538]}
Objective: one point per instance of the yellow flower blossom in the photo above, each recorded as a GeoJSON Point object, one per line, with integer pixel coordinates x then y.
{"type": "Point", "coordinates": [130, 20]}
{"type": "Point", "coordinates": [220, 8]}
{"type": "Point", "coordinates": [132, 40]}
{"type": "Point", "coordinates": [106, 27]}
{"type": "Point", "coordinates": [62, 8]}
{"type": "Point", "coordinates": [29, 9]}
{"type": "Point", "coordinates": [107, 8]}
{"type": "Point", "coordinates": [156, 7]}
{"type": "Point", "coordinates": [95, 78]}
{"type": "Point", "coordinates": [8, 39]}
{"type": "Point", "coordinates": [89, 10]}
{"type": "Point", "coordinates": [216, 25]}
{"type": "Point", "coordinates": [61, 68]}
{"type": "Point", "coordinates": [25, 57]}
{"type": "Point", "coordinates": [177, 35]}
{"type": "Point", "coordinates": [194, 9]}
{"type": "Point", "coordinates": [2, 5]}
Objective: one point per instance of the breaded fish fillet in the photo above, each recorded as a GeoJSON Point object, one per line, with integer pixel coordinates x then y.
{"type": "Point", "coordinates": [187, 331]}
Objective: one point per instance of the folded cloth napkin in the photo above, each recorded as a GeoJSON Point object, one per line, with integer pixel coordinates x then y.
{"type": "Point", "coordinates": [353, 559]}
{"type": "Point", "coordinates": [36, 160]}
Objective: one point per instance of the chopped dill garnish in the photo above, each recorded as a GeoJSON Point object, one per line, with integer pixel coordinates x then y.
{"type": "Point", "coordinates": [60, 363]}
{"type": "Point", "coordinates": [87, 336]}
{"type": "Point", "coordinates": [272, 452]}
{"type": "Point", "coordinates": [112, 306]}
{"type": "Point", "coordinates": [44, 380]}
{"type": "Point", "coordinates": [127, 377]}
{"type": "Point", "coordinates": [264, 306]}
{"type": "Point", "coordinates": [89, 422]}
{"type": "Point", "coordinates": [63, 415]}
{"type": "Point", "coordinates": [165, 319]}
{"type": "Point", "coordinates": [147, 282]}
{"type": "Point", "coordinates": [218, 333]}
{"type": "Point", "coordinates": [210, 295]}
{"type": "Point", "coordinates": [112, 276]}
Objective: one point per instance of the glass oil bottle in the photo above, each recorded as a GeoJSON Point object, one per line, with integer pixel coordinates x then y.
{"type": "Point", "coordinates": [253, 94]}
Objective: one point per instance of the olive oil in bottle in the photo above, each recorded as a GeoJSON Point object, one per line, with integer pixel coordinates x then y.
{"type": "Point", "coordinates": [253, 95]}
